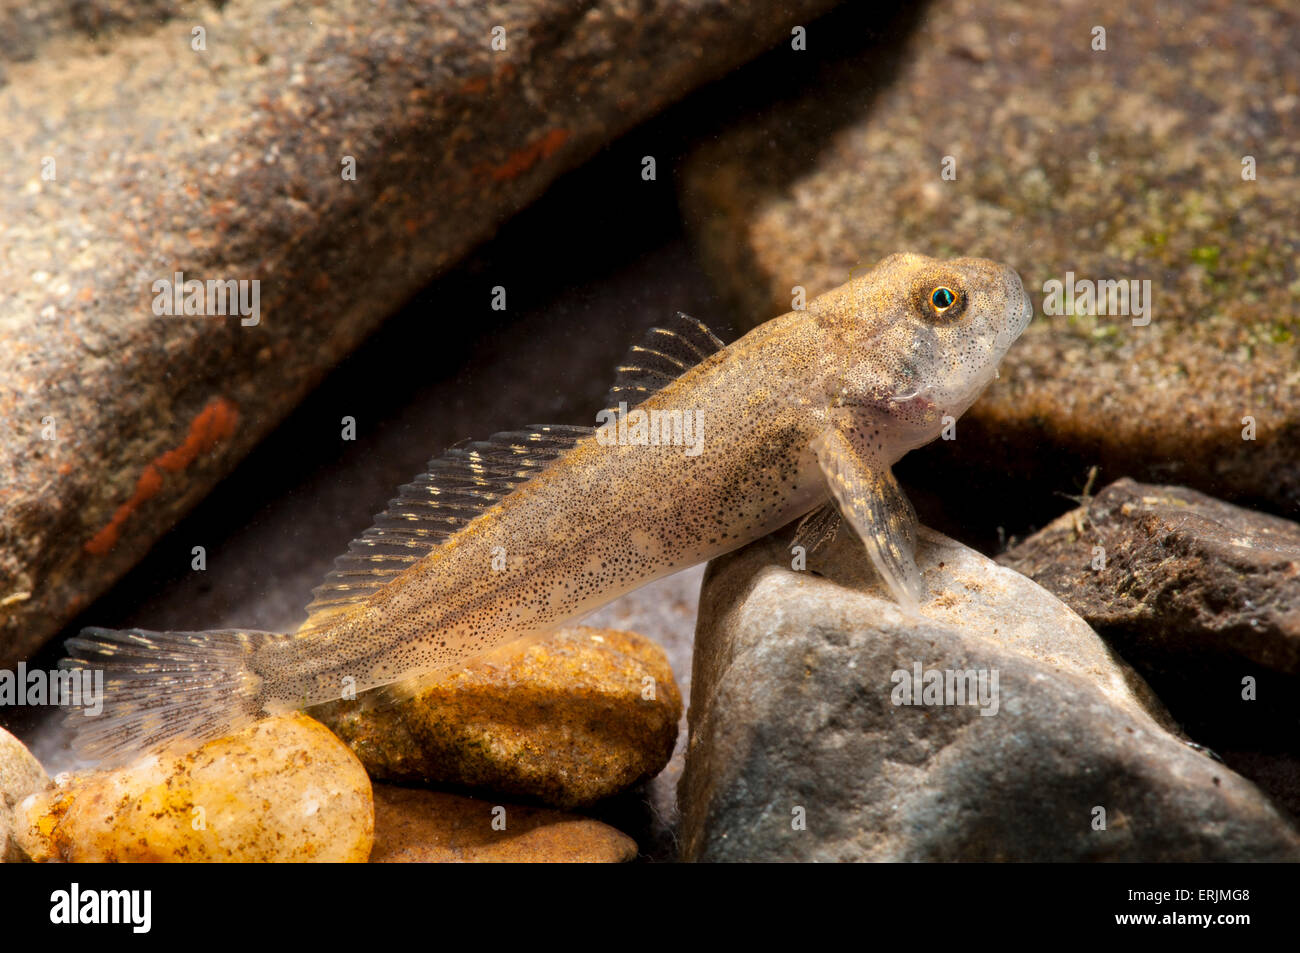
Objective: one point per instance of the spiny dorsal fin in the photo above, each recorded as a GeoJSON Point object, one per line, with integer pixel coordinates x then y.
{"type": "Point", "coordinates": [456, 488]}
{"type": "Point", "coordinates": [664, 354]}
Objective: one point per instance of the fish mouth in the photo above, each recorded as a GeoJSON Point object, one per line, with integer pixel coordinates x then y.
{"type": "Point", "coordinates": [921, 401]}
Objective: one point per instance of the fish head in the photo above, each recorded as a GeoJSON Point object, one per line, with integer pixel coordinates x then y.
{"type": "Point", "coordinates": [917, 339]}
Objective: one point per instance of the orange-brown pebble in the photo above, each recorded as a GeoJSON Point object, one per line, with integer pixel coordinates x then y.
{"type": "Point", "coordinates": [284, 789]}
{"type": "Point", "coordinates": [568, 720]}
{"type": "Point", "coordinates": [414, 826]}
{"type": "Point", "coordinates": [20, 775]}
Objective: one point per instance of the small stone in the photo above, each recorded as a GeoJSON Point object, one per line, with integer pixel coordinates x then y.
{"type": "Point", "coordinates": [20, 775]}
{"type": "Point", "coordinates": [1196, 593]}
{"type": "Point", "coordinates": [569, 719]}
{"type": "Point", "coordinates": [803, 746]}
{"type": "Point", "coordinates": [281, 790]}
{"type": "Point", "coordinates": [415, 826]}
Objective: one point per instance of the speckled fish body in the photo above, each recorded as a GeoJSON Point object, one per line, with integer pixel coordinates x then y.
{"type": "Point", "coordinates": [534, 529]}
{"type": "Point", "coordinates": [602, 520]}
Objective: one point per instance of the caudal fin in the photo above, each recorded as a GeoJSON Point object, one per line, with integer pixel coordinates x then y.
{"type": "Point", "coordinates": [162, 689]}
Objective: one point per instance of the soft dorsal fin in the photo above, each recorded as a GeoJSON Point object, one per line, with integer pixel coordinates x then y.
{"type": "Point", "coordinates": [665, 353]}
{"type": "Point", "coordinates": [456, 488]}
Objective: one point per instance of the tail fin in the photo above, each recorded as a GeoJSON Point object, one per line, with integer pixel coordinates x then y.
{"type": "Point", "coordinates": [165, 688]}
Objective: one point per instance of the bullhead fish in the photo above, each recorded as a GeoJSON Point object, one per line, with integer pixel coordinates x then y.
{"type": "Point", "coordinates": [702, 449]}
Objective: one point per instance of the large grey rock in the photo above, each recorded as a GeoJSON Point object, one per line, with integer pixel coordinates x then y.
{"type": "Point", "coordinates": [792, 714]}
{"type": "Point", "coordinates": [20, 775]}
{"type": "Point", "coordinates": [130, 155]}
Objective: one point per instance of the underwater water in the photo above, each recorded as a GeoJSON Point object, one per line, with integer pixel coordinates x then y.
{"type": "Point", "coordinates": [1085, 649]}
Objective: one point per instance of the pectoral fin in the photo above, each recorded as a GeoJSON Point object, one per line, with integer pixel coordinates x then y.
{"type": "Point", "coordinates": [873, 503]}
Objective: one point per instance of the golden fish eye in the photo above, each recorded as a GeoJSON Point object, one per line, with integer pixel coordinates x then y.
{"type": "Point", "coordinates": [942, 299]}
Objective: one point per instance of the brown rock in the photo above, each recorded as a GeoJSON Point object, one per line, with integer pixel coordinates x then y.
{"type": "Point", "coordinates": [1118, 164]}
{"type": "Point", "coordinates": [20, 775]}
{"type": "Point", "coordinates": [136, 156]}
{"type": "Point", "coordinates": [282, 790]}
{"type": "Point", "coordinates": [567, 720]}
{"type": "Point", "coordinates": [1195, 592]}
{"type": "Point", "coordinates": [414, 826]}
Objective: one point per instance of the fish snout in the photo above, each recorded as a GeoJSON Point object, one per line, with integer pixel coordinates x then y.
{"type": "Point", "coordinates": [1020, 311]}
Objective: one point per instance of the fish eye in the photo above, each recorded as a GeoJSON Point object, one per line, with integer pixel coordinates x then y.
{"type": "Point", "coordinates": [942, 298]}
{"type": "Point", "coordinates": [943, 304]}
